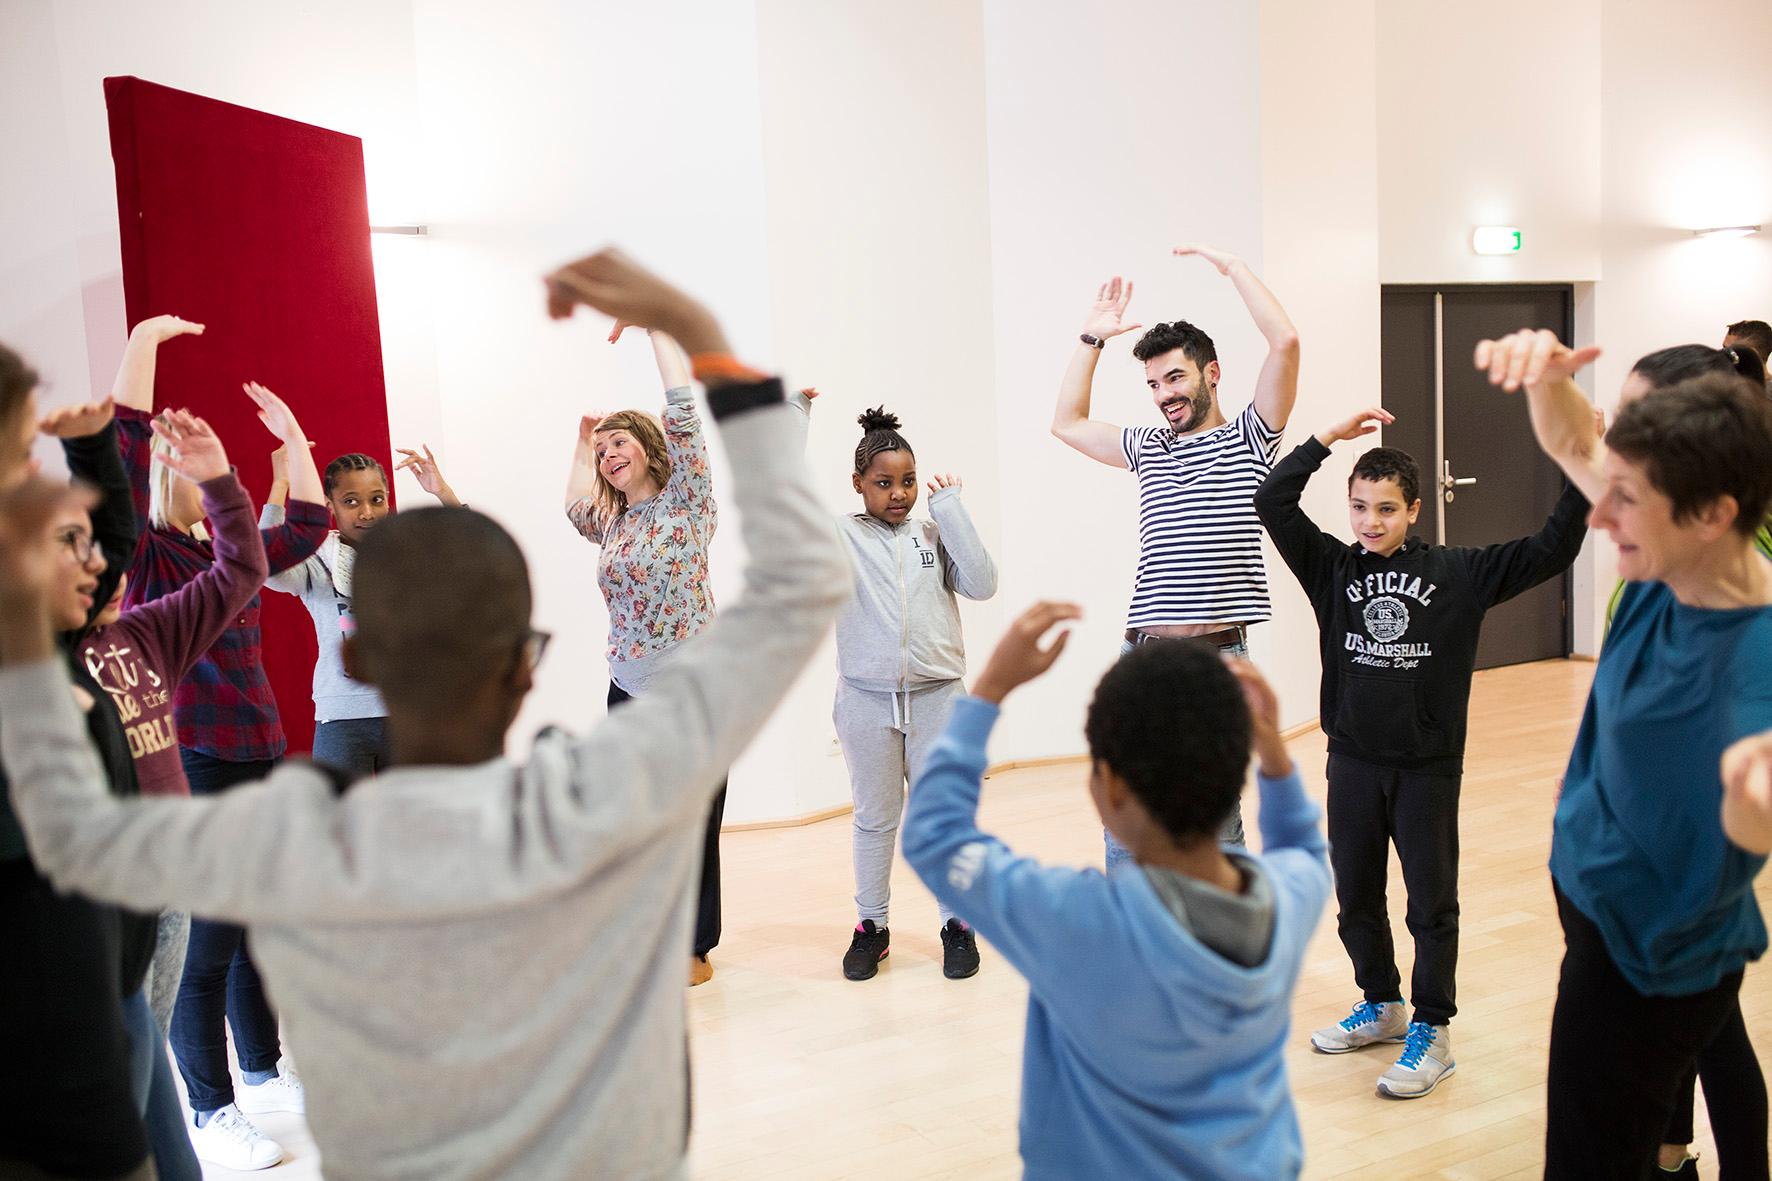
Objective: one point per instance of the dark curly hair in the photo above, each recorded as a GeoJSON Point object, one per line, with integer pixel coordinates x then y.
{"type": "Point", "coordinates": [1756, 334]}
{"type": "Point", "coordinates": [1388, 463]}
{"type": "Point", "coordinates": [1164, 338]}
{"type": "Point", "coordinates": [1700, 440]}
{"type": "Point", "coordinates": [356, 461]}
{"type": "Point", "coordinates": [1170, 719]}
{"type": "Point", "coordinates": [879, 432]}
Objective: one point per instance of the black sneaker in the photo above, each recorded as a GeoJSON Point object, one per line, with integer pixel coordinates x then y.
{"type": "Point", "coordinates": [959, 951]}
{"type": "Point", "coordinates": [870, 945]}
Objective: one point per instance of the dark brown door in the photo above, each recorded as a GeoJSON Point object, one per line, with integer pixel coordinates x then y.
{"type": "Point", "coordinates": [1484, 480]}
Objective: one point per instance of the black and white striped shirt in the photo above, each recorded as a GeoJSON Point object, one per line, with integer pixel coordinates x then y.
{"type": "Point", "coordinates": [1199, 542]}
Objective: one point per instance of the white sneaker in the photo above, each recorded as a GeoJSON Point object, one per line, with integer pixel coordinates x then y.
{"type": "Point", "coordinates": [230, 1140]}
{"type": "Point", "coordinates": [1367, 1025]}
{"type": "Point", "coordinates": [1427, 1058]}
{"type": "Point", "coordinates": [283, 1093]}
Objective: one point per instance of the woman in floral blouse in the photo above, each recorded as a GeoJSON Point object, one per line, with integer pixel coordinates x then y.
{"type": "Point", "coordinates": [640, 490]}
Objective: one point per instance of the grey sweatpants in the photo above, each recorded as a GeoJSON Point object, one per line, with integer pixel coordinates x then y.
{"type": "Point", "coordinates": [168, 966]}
{"type": "Point", "coordinates": [886, 740]}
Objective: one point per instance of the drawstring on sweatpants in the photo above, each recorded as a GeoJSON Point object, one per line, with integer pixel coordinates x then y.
{"type": "Point", "coordinates": [901, 715]}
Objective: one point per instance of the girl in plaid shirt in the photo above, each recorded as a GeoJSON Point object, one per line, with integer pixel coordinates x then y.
{"type": "Point", "coordinates": [229, 733]}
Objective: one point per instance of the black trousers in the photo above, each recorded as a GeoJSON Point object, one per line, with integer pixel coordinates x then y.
{"type": "Point", "coordinates": [66, 1107]}
{"type": "Point", "coordinates": [707, 910]}
{"type": "Point", "coordinates": [1370, 807]}
{"type": "Point", "coordinates": [1735, 1092]}
{"type": "Point", "coordinates": [1617, 1058]}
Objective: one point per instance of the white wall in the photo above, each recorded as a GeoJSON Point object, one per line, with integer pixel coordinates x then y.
{"type": "Point", "coordinates": [1684, 111]}
{"type": "Point", "coordinates": [879, 257]}
{"type": "Point", "coordinates": [1104, 154]}
{"type": "Point", "coordinates": [40, 304]}
{"type": "Point", "coordinates": [1320, 250]}
{"type": "Point", "coordinates": [1488, 115]}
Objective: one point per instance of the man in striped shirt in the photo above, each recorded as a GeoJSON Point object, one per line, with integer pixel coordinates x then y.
{"type": "Point", "coordinates": [1200, 572]}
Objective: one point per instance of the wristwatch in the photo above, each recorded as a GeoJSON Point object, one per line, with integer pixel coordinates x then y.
{"type": "Point", "coordinates": [1094, 342]}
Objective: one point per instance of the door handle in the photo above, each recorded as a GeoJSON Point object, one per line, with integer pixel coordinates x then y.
{"type": "Point", "coordinates": [1448, 482]}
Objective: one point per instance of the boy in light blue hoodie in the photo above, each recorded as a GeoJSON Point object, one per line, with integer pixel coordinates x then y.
{"type": "Point", "coordinates": [1160, 993]}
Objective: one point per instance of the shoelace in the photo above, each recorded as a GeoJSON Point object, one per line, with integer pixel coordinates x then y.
{"type": "Point", "coordinates": [1365, 1013]}
{"type": "Point", "coordinates": [236, 1127]}
{"type": "Point", "coordinates": [1421, 1036]}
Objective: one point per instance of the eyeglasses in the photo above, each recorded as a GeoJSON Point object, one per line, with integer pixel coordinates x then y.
{"type": "Point", "coordinates": [82, 543]}
{"type": "Point", "coordinates": [535, 646]}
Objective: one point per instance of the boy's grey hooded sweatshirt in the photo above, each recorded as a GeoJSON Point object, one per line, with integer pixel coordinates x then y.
{"type": "Point", "coordinates": [481, 968]}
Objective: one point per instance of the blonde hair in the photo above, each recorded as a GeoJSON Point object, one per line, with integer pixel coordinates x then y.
{"type": "Point", "coordinates": [649, 433]}
{"type": "Point", "coordinates": [160, 485]}
{"type": "Point", "coordinates": [160, 478]}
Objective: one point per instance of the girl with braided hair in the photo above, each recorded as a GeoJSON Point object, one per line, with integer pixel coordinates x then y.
{"type": "Point", "coordinates": [350, 721]}
{"type": "Point", "coordinates": [900, 657]}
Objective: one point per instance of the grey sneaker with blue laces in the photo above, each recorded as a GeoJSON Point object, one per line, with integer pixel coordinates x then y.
{"type": "Point", "coordinates": [1367, 1025]}
{"type": "Point", "coordinates": [1427, 1058]}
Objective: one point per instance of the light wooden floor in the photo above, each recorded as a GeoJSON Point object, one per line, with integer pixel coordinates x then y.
{"type": "Point", "coordinates": [803, 1076]}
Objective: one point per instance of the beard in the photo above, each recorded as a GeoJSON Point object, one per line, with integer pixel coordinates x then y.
{"type": "Point", "coordinates": [1199, 404]}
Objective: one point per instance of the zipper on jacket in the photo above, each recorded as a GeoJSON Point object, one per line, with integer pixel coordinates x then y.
{"type": "Point", "coordinates": [904, 621]}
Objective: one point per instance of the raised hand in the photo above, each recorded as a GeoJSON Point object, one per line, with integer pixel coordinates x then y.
{"type": "Point", "coordinates": [1106, 318]}
{"type": "Point", "coordinates": [275, 413]}
{"type": "Point", "coordinates": [197, 453]}
{"type": "Point", "coordinates": [614, 284]}
{"type": "Point", "coordinates": [280, 465]}
{"type": "Point", "coordinates": [620, 327]}
{"type": "Point", "coordinates": [1264, 703]}
{"type": "Point", "coordinates": [81, 420]}
{"type": "Point", "coordinates": [1019, 657]}
{"type": "Point", "coordinates": [1747, 792]}
{"type": "Point", "coordinates": [1221, 259]}
{"type": "Point", "coordinates": [157, 329]}
{"type": "Point", "coordinates": [424, 469]}
{"type": "Point", "coordinates": [943, 481]}
{"type": "Point", "coordinates": [587, 428]}
{"type": "Point", "coordinates": [810, 393]}
{"type": "Point", "coordinates": [1264, 718]}
{"type": "Point", "coordinates": [1531, 357]}
{"type": "Point", "coordinates": [1365, 422]}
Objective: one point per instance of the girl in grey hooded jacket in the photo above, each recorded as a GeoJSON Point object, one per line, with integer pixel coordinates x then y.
{"type": "Point", "coordinates": [900, 657]}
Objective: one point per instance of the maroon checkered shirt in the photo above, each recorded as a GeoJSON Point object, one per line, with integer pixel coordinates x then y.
{"type": "Point", "coordinates": [224, 707]}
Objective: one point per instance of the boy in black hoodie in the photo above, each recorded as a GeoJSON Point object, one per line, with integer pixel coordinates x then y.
{"type": "Point", "coordinates": [1399, 621]}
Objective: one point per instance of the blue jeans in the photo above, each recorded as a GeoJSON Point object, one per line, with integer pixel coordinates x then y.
{"type": "Point", "coordinates": [220, 987]}
{"type": "Point", "coordinates": [1231, 834]}
{"type": "Point", "coordinates": [156, 1095]}
{"type": "Point", "coordinates": [356, 746]}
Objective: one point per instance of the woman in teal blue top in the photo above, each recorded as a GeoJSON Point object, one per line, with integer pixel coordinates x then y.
{"type": "Point", "coordinates": [1655, 897]}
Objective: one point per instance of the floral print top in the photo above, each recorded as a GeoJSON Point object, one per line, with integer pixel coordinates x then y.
{"type": "Point", "coordinates": [653, 565]}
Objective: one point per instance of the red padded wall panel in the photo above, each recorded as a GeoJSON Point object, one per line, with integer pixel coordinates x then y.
{"type": "Point", "coordinates": [258, 227]}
